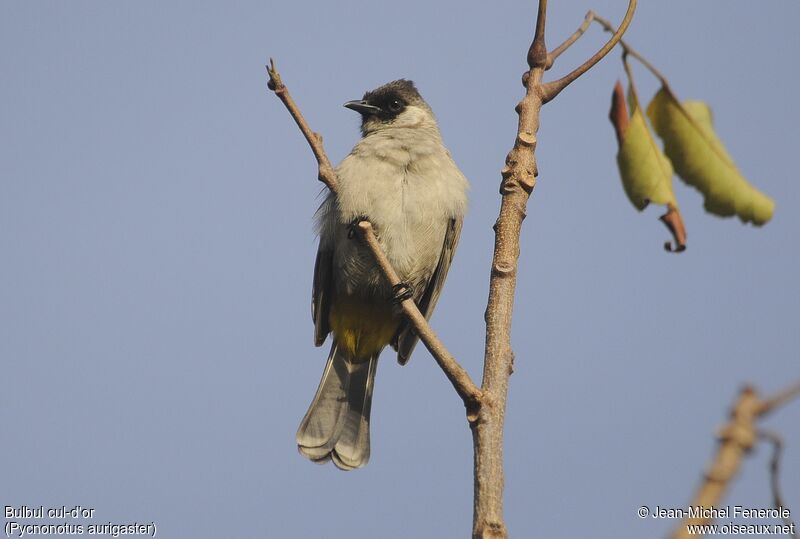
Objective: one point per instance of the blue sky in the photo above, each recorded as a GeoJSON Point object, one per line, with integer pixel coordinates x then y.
{"type": "Point", "coordinates": [157, 250]}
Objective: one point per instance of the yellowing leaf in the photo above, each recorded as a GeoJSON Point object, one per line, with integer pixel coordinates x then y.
{"type": "Point", "coordinates": [701, 160]}
{"type": "Point", "coordinates": [646, 173]}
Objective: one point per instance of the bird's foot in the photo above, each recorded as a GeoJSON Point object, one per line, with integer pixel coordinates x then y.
{"type": "Point", "coordinates": [402, 292]}
{"type": "Point", "coordinates": [351, 228]}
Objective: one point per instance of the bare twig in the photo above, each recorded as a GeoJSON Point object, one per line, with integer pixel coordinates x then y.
{"type": "Point", "coordinates": [774, 478]}
{"type": "Point", "coordinates": [779, 399]}
{"type": "Point", "coordinates": [552, 89]}
{"type": "Point", "coordinates": [631, 51]}
{"type": "Point", "coordinates": [555, 53]}
{"type": "Point", "coordinates": [326, 174]}
{"type": "Point", "coordinates": [736, 439]}
{"type": "Point", "coordinates": [461, 381]}
{"type": "Point", "coordinates": [518, 180]}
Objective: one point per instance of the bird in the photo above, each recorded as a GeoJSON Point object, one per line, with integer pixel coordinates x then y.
{"type": "Point", "coordinates": [402, 179]}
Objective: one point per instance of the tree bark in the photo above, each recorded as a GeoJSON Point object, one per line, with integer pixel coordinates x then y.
{"type": "Point", "coordinates": [518, 180]}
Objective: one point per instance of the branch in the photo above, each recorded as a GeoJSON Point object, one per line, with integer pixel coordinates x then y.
{"type": "Point", "coordinates": [779, 399]}
{"type": "Point", "coordinates": [736, 439]}
{"type": "Point", "coordinates": [631, 51]}
{"type": "Point", "coordinates": [463, 384]}
{"type": "Point", "coordinates": [537, 53]}
{"type": "Point", "coordinates": [552, 89]}
{"type": "Point", "coordinates": [555, 53]}
{"type": "Point", "coordinates": [326, 174]}
{"type": "Point", "coordinates": [518, 180]}
{"type": "Point", "coordinates": [485, 406]}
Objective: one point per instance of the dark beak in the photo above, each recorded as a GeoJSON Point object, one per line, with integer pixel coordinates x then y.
{"type": "Point", "coordinates": [362, 107]}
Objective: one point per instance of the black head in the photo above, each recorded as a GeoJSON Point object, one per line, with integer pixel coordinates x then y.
{"type": "Point", "coordinates": [384, 104]}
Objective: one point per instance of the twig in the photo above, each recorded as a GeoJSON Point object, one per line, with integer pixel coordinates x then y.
{"type": "Point", "coordinates": [736, 439]}
{"type": "Point", "coordinates": [461, 381]}
{"type": "Point", "coordinates": [631, 51]}
{"type": "Point", "coordinates": [555, 53]}
{"type": "Point", "coordinates": [326, 174]}
{"type": "Point", "coordinates": [774, 478]}
{"type": "Point", "coordinates": [519, 179]}
{"type": "Point", "coordinates": [552, 89]}
{"type": "Point", "coordinates": [779, 399]}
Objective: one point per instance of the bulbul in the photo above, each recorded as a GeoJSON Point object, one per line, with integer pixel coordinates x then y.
{"type": "Point", "coordinates": [401, 178]}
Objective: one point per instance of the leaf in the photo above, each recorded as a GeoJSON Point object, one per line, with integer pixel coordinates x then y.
{"type": "Point", "coordinates": [645, 171]}
{"type": "Point", "coordinates": [701, 160]}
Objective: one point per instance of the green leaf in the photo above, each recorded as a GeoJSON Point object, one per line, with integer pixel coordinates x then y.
{"type": "Point", "coordinates": [646, 173]}
{"type": "Point", "coordinates": [701, 160]}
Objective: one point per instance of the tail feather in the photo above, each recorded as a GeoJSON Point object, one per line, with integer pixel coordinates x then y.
{"type": "Point", "coordinates": [336, 425]}
{"type": "Point", "coordinates": [320, 427]}
{"type": "Point", "coordinates": [352, 447]}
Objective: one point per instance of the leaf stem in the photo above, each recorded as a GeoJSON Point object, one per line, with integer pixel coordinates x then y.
{"type": "Point", "coordinates": [628, 50]}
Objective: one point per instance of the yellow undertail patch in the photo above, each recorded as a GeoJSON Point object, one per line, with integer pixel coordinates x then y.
{"type": "Point", "coordinates": [362, 328]}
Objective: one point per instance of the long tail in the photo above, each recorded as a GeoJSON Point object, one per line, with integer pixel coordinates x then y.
{"type": "Point", "coordinates": [336, 425]}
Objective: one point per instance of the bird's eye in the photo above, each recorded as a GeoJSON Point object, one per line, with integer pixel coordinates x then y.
{"type": "Point", "coordinates": [395, 105]}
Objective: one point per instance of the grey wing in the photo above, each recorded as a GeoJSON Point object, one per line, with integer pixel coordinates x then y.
{"type": "Point", "coordinates": [321, 294]}
{"type": "Point", "coordinates": [406, 338]}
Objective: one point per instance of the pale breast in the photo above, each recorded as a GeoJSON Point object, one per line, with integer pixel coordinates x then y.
{"type": "Point", "coordinates": [409, 191]}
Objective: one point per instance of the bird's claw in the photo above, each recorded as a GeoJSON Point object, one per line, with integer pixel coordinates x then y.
{"type": "Point", "coordinates": [351, 228]}
{"type": "Point", "coordinates": [402, 292]}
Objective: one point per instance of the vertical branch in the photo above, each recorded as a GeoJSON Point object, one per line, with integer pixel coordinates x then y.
{"type": "Point", "coordinates": [486, 405]}
{"type": "Point", "coordinates": [519, 178]}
